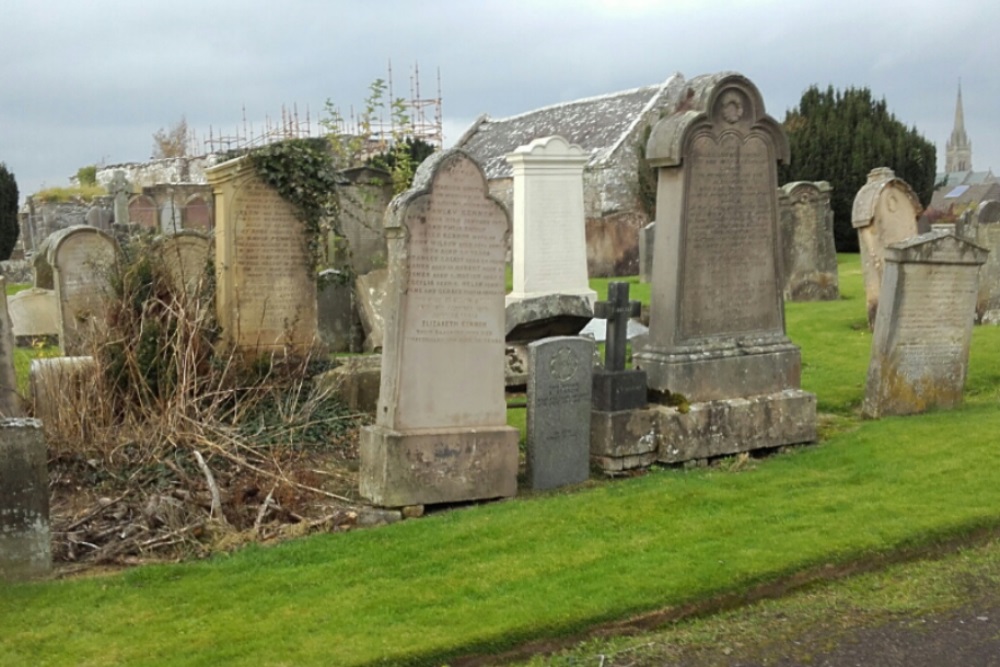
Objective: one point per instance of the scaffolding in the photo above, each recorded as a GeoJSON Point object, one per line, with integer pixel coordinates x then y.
{"type": "Point", "coordinates": [290, 126]}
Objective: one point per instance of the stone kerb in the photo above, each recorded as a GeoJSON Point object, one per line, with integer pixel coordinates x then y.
{"type": "Point", "coordinates": [549, 233]}
{"type": "Point", "coordinates": [885, 211]}
{"type": "Point", "coordinates": [25, 548]}
{"type": "Point", "coordinates": [82, 260]}
{"type": "Point", "coordinates": [986, 231]}
{"type": "Point", "coordinates": [920, 346]}
{"type": "Point", "coordinates": [809, 253]}
{"type": "Point", "coordinates": [265, 278]}
{"type": "Point", "coordinates": [441, 431]}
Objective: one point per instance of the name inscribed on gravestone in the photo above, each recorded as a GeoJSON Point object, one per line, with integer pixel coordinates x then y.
{"type": "Point", "coordinates": [270, 253]}
{"type": "Point", "coordinates": [729, 283]}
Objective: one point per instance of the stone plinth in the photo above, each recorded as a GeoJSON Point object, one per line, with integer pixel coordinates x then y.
{"type": "Point", "coordinates": [885, 211]}
{"type": "Point", "coordinates": [441, 431]}
{"type": "Point", "coordinates": [265, 274]}
{"type": "Point", "coordinates": [549, 241]}
{"type": "Point", "coordinates": [810, 256]}
{"type": "Point", "coordinates": [25, 550]}
{"type": "Point", "coordinates": [547, 316]}
{"type": "Point", "coordinates": [920, 347]}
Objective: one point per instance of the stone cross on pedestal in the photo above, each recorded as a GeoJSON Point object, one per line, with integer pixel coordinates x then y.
{"type": "Point", "coordinates": [120, 188]}
{"type": "Point", "coordinates": [616, 310]}
{"type": "Point", "coordinates": [615, 387]}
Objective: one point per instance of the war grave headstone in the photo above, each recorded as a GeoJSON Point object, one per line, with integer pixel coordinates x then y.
{"type": "Point", "coordinates": [25, 550]}
{"type": "Point", "coordinates": [441, 432]}
{"type": "Point", "coordinates": [885, 211]}
{"type": "Point", "coordinates": [717, 341]}
{"type": "Point", "coordinates": [82, 259]}
{"type": "Point", "coordinates": [185, 256]}
{"type": "Point", "coordinates": [265, 278]}
{"type": "Point", "coordinates": [10, 400]}
{"type": "Point", "coordinates": [986, 233]}
{"type": "Point", "coordinates": [809, 254]}
{"type": "Point", "coordinates": [558, 420]}
{"type": "Point", "coordinates": [920, 347]}
{"type": "Point", "coordinates": [647, 235]}
{"type": "Point", "coordinates": [34, 315]}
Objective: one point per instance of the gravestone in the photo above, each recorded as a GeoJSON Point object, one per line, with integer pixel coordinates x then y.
{"type": "Point", "coordinates": [615, 387]}
{"type": "Point", "coordinates": [363, 199]}
{"type": "Point", "coordinates": [34, 315]}
{"type": "Point", "coordinates": [885, 211]}
{"type": "Point", "coordinates": [559, 396]}
{"type": "Point", "coordinates": [99, 217]}
{"type": "Point", "coordinates": [142, 211]}
{"type": "Point", "coordinates": [185, 256]}
{"type": "Point", "coordinates": [441, 431]}
{"type": "Point", "coordinates": [647, 235]}
{"type": "Point", "coordinates": [369, 294]}
{"type": "Point", "coordinates": [265, 277]}
{"type": "Point", "coordinates": [920, 347]}
{"type": "Point", "coordinates": [25, 550]}
{"type": "Point", "coordinates": [82, 260]}
{"type": "Point", "coordinates": [809, 253]}
{"type": "Point", "coordinates": [120, 189]}
{"type": "Point", "coordinates": [10, 400]}
{"type": "Point", "coordinates": [549, 240]}
{"type": "Point", "coordinates": [60, 387]}
{"type": "Point", "coordinates": [170, 218]}
{"type": "Point", "coordinates": [986, 233]}
{"type": "Point", "coordinates": [337, 317]}
{"type": "Point", "coordinates": [717, 344]}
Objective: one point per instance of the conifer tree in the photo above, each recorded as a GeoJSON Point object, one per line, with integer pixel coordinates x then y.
{"type": "Point", "coordinates": [9, 228]}
{"type": "Point", "coordinates": [839, 136]}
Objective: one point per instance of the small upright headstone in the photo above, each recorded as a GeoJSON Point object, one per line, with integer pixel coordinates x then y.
{"type": "Point", "coordinates": [920, 347]}
{"type": "Point", "coordinates": [25, 550]}
{"type": "Point", "coordinates": [10, 400]}
{"type": "Point", "coordinates": [369, 295]}
{"type": "Point", "coordinates": [120, 189]}
{"type": "Point", "coordinates": [646, 239]}
{"type": "Point", "coordinates": [82, 260]}
{"type": "Point", "coordinates": [99, 217]}
{"type": "Point", "coordinates": [810, 256]}
{"type": "Point", "coordinates": [265, 273]}
{"type": "Point", "coordinates": [339, 325]}
{"type": "Point", "coordinates": [34, 314]}
{"type": "Point", "coordinates": [185, 256]}
{"type": "Point", "coordinates": [170, 217]}
{"type": "Point", "coordinates": [885, 211]}
{"type": "Point", "coordinates": [559, 395]}
{"type": "Point", "coordinates": [616, 387]}
{"type": "Point", "coordinates": [441, 432]}
{"type": "Point", "coordinates": [985, 230]}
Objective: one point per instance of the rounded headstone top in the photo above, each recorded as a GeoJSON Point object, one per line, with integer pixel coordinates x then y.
{"type": "Point", "coordinates": [554, 147]}
{"type": "Point", "coordinates": [880, 180]}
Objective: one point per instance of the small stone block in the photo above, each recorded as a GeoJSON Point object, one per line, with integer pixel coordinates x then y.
{"type": "Point", "coordinates": [619, 390]}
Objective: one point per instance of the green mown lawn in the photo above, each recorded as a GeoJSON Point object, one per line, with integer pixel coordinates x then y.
{"type": "Point", "coordinates": [484, 578]}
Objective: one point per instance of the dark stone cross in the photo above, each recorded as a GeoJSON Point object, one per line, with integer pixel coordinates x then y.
{"type": "Point", "coordinates": [616, 310]}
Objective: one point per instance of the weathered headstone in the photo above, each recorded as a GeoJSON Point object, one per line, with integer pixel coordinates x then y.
{"type": "Point", "coordinates": [82, 259]}
{"type": "Point", "coordinates": [170, 217]}
{"type": "Point", "coordinates": [441, 431]}
{"type": "Point", "coordinates": [920, 347]}
{"type": "Point", "coordinates": [549, 239]}
{"type": "Point", "coordinates": [120, 189]}
{"type": "Point", "coordinates": [99, 217]}
{"type": "Point", "coordinates": [10, 400]}
{"type": "Point", "coordinates": [34, 314]}
{"type": "Point", "coordinates": [647, 236]}
{"type": "Point", "coordinates": [559, 396]}
{"type": "Point", "coordinates": [265, 273]}
{"type": "Point", "coordinates": [810, 256]}
{"type": "Point", "coordinates": [186, 256]}
{"type": "Point", "coordinates": [337, 317]}
{"type": "Point", "coordinates": [363, 200]}
{"type": "Point", "coordinates": [986, 233]}
{"type": "Point", "coordinates": [25, 550]}
{"type": "Point", "coordinates": [885, 211]}
{"type": "Point", "coordinates": [616, 387]}
{"type": "Point", "coordinates": [369, 294]}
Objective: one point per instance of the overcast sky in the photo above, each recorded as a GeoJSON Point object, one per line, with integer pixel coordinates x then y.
{"type": "Point", "coordinates": [90, 82]}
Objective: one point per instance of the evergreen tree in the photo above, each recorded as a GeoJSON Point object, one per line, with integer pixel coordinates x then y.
{"type": "Point", "coordinates": [9, 228]}
{"type": "Point", "coordinates": [839, 136]}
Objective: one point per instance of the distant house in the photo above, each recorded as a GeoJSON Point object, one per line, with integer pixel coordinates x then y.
{"type": "Point", "coordinates": [613, 129]}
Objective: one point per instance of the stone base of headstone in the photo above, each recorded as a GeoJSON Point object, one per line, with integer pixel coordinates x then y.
{"type": "Point", "coordinates": [355, 382]}
{"type": "Point", "coordinates": [549, 315]}
{"type": "Point", "coordinates": [25, 550]}
{"type": "Point", "coordinates": [637, 438]}
{"type": "Point", "coordinates": [619, 390]}
{"type": "Point", "coordinates": [713, 374]}
{"type": "Point", "coordinates": [434, 467]}
{"type": "Point", "coordinates": [813, 287]}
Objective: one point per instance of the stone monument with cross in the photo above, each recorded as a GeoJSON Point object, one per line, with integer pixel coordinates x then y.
{"type": "Point", "coordinates": [120, 189]}
{"type": "Point", "coordinates": [616, 387]}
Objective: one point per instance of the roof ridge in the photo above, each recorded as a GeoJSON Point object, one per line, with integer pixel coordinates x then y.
{"type": "Point", "coordinates": [582, 100]}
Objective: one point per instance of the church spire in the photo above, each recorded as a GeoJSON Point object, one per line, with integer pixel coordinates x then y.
{"type": "Point", "coordinates": [958, 156]}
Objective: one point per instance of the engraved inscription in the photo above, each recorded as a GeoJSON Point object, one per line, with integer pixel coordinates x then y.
{"type": "Point", "coordinates": [729, 278]}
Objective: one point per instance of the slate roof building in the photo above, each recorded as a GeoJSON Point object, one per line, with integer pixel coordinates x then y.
{"type": "Point", "coordinates": [611, 128]}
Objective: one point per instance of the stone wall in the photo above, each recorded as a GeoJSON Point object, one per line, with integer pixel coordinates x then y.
{"type": "Point", "coordinates": [156, 172]}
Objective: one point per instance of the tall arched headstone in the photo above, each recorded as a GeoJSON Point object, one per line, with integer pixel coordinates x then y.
{"type": "Point", "coordinates": [986, 231]}
{"type": "Point", "coordinates": [809, 255]}
{"type": "Point", "coordinates": [82, 259]}
{"type": "Point", "coordinates": [441, 431]}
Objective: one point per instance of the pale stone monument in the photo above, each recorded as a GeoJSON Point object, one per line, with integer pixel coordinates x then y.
{"type": "Point", "coordinates": [985, 230]}
{"type": "Point", "coordinates": [25, 550]}
{"type": "Point", "coordinates": [441, 431]}
{"type": "Point", "coordinates": [265, 273]}
{"type": "Point", "coordinates": [647, 235]}
{"type": "Point", "coordinates": [185, 256]}
{"type": "Point", "coordinates": [559, 395]}
{"type": "Point", "coordinates": [120, 189]}
{"type": "Point", "coordinates": [10, 400]}
{"type": "Point", "coordinates": [549, 239]}
{"type": "Point", "coordinates": [809, 253]}
{"type": "Point", "coordinates": [717, 341]}
{"type": "Point", "coordinates": [369, 295]}
{"type": "Point", "coordinates": [920, 347]}
{"type": "Point", "coordinates": [885, 211]}
{"type": "Point", "coordinates": [34, 314]}
{"type": "Point", "coordinates": [82, 260]}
